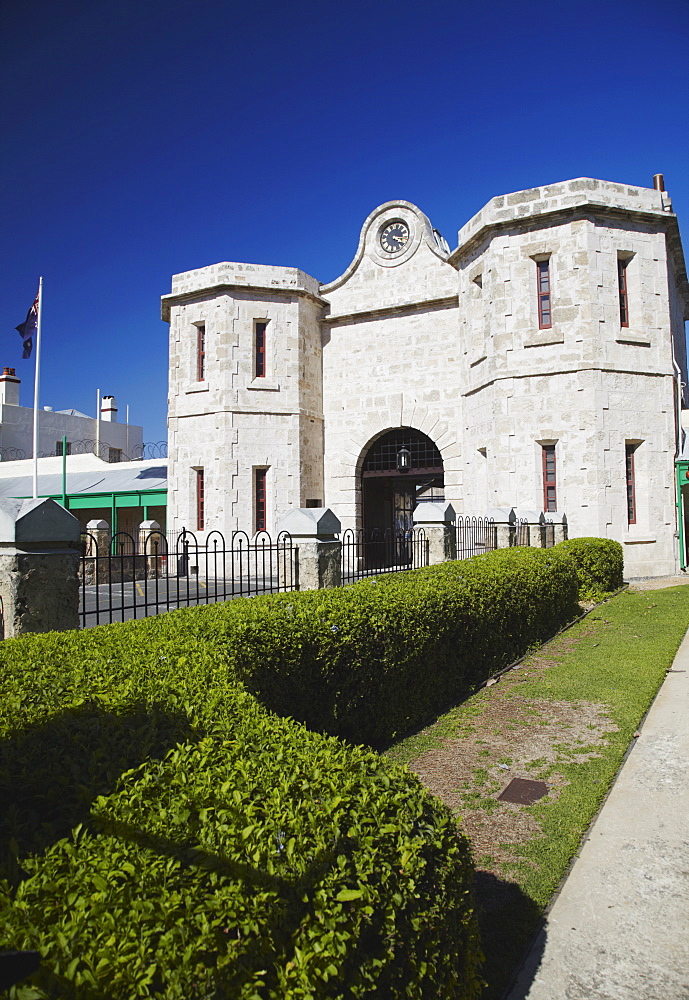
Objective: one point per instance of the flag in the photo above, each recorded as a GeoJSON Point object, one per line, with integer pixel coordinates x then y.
{"type": "Point", "coordinates": [27, 329]}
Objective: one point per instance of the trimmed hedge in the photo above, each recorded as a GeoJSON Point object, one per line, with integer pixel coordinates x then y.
{"type": "Point", "coordinates": [599, 563]}
{"type": "Point", "coordinates": [380, 658]}
{"type": "Point", "coordinates": [219, 851]}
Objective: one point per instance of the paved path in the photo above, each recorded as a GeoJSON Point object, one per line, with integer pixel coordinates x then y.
{"type": "Point", "coordinates": [619, 930]}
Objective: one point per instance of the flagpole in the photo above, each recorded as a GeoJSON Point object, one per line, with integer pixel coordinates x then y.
{"type": "Point", "coordinates": [98, 422]}
{"type": "Point", "coordinates": [37, 385]}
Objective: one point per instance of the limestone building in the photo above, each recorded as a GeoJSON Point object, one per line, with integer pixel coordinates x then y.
{"type": "Point", "coordinates": [541, 364]}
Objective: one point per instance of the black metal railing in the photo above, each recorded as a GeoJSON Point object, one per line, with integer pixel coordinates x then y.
{"type": "Point", "coordinates": [367, 554]}
{"type": "Point", "coordinates": [475, 535]}
{"type": "Point", "coordinates": [521, 533]}
{"type": "Point", "coordinates": [136, 576]}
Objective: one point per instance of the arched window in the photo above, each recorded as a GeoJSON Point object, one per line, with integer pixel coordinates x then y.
{"type": "Point", "coordinates": [383, 457]}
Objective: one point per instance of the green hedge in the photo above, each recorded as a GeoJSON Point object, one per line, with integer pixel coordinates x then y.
{"type": "Point", "coordinates": [219, 851]}
{"type": "Point", "coordinates": [222, 851]}
{"type": "Point", "coordinates": [380, 658]}
{"type": "Point", "coordinates": [599, 563]}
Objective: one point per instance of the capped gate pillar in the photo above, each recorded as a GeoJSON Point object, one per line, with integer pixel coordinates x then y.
{"type": "Point", "coordinates": [97, 541]}
{"type": "Point", "coordinates": [39, 560]}
{"type": "Point", "coordinates": [152, 548]}
{"type": "Point", "coordinates": [559, 523]}
{"type": "Point", "coordinates": [437, 519]}
{"type": "Point", "coordinates": [505, 526]}
{"type": "Point", "coordinates": [534, 520]}
{"type": "Point", "coordinates": [319, 552]}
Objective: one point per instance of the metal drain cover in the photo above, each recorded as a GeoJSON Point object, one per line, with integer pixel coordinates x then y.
{"type": "Point", "coordinates": [523, 791]}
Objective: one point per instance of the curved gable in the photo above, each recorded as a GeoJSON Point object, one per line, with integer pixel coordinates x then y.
{"type": "Point", "coordinates": [377, 279]}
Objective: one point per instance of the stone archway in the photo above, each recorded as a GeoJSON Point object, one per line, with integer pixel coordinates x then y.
{"type": "Point", "coordinates": [401, 468]}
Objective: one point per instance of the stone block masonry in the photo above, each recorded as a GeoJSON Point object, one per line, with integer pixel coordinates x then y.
{"type": "Point", "coordinates": [455, 347]}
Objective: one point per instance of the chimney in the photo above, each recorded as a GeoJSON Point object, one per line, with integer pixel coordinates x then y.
{"type": "Point", "coordinates": [659, 182]}
{"type": "Point", "coordinates": [9, 387]}
{"type": "Point", "coordinates": [108, 409]}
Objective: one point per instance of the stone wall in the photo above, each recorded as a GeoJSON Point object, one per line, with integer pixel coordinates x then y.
{"type": "Point", "coordinates": [587, 385]}
{"type": "Point", "coordinates": [391, 356]}
{"type": "Point", "coordinates": [448, 343]}
{"type": "Point", "coordinates": [231, 422]}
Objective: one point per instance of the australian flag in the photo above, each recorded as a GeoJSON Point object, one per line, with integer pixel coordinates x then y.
{"type": "Point", "coordinates": [27, 329]}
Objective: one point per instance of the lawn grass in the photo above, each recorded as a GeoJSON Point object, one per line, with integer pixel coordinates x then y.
{"type": "Point", "coordinates": [615, 660]}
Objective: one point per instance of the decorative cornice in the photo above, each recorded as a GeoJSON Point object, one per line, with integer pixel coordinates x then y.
{"type": "Point", "coordinates": [210, 291]}
{"type": "Point", "coordinates": [608, 369]}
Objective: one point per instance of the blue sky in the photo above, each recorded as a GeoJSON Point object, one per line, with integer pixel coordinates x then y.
{"type": "Point", "coordinates": [149, 137]}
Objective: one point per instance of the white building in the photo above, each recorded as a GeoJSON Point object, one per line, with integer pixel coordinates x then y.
{"type": "Point", "coordinates": [540, 365]}
{"type": "Point", "coordinates": [114, 442]}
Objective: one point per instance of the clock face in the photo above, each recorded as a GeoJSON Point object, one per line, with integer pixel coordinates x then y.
{"type": "Point", "coordinates": [395, 236]}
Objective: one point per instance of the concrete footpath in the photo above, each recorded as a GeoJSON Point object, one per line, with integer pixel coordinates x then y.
{"type": "Point", "coordinates": [619, 930]}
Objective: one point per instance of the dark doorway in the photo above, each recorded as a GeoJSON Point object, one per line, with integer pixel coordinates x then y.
{"type": "Point", "coordinates": [401, 469]}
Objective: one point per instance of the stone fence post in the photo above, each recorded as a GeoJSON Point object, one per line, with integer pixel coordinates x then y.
{"type": "Point", "coordinates": [318, 552]}
{"type": "Point", "coordinates": [97, 549]}
{"type": "Point", "coordinates": [438, 522]}
{"type": "Point", "coordinates": [535, 522]}
{"type": "Point", "coordinates": [39, 560]}
{"type": "Point", "coordinates": [505, 526]}
{"type": "Point", "coordinates": [559, 523]}
{"type": "Point", "coordinates": [152, 548]}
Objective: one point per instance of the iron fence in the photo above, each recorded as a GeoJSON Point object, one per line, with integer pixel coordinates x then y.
{"type": "Point", "coordinates": [368, 554]}
{"type": "Point", "coordinates": [521, 532]}
{"type": "Point", "coordinates": [137, 576]}
{"type": "Point", "coordinates": [475, 535]}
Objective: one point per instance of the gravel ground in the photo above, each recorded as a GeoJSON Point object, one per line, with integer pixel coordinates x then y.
{"type": "Point", "coordinates": [658, 582]}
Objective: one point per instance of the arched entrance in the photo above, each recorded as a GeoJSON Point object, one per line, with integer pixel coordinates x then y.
{"type": "Point", "coordinates": [401, 469]}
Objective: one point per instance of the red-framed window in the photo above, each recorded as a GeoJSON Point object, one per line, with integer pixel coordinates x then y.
{"type": "Point", "coordinates": [201, 352]}
{"type": "Point", "coordinates": [622, 288]}
{"type": "Point", "coordinates": [545, 320]}
{"type": "Point", "coordinates": [629, 450]}
{"type": "Point", "coordinates": [549, 477]}
{"type": "Point", "coordinates": [200, 500]}
{"type": "Point", "coordinates": [260, 352]}
{"type": "Point", "coordinates": [260, 499]}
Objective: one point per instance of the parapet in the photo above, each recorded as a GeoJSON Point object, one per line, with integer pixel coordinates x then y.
{"type": "Point", "coordinates": [232, 276]}
{"type": "Point", "coordinates": [580, 193]}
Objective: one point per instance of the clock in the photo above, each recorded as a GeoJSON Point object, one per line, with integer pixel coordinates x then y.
{"type": "Point", "coordinates": [395, 236]}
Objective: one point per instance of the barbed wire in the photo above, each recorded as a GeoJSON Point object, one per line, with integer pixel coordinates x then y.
{"type": "Point", "coordinates": [87, 446]}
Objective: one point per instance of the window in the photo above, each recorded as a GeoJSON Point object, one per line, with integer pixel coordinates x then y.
{"type": "Point", "coordinates": [382, 456]}
{"type": "Point", "coordinates": [260, 499]}
{"type": "Point", "coordinates": [543, 283]}
{"type": "Point", "coordinates": [200, 352]}
{"type": "Point", "coordinates": [622, 288]}
{"type": "Point", "coordinates": [200, 500]}
{"type": "Point", "coordinates": [260, 354]}
{"type": "Point", "coordinates": [114, 454]}
{"type": "Point", "coordinates": [58, 448]}
{"type": "Point", "coordinates": [629, 450]}
{"type": "Point", "coordinates": [549, 485]}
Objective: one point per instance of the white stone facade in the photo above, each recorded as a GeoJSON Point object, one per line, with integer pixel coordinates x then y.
{"type": "Point", "coordinates": [448, 344]}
